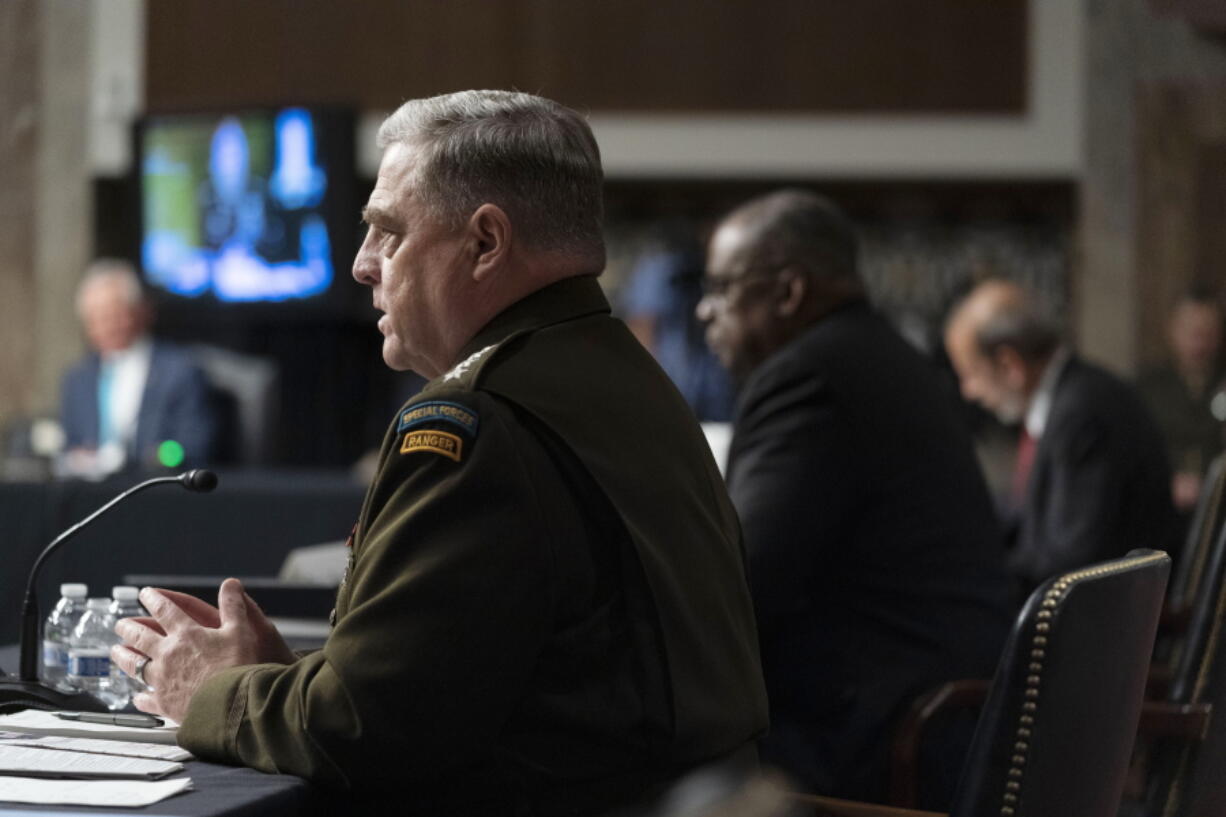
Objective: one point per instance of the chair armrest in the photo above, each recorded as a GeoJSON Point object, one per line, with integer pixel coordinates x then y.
{"type": "Point", "coordinates": [1160, 719]}
{"type": "Point", "coordinates": [833, 807]}
{"type": "Point", "coordinates": [905, 751]}
{"type": "Point", "coordinates": [1174, 619]}
{"type": "Point", "coordinates": [1158, 682]}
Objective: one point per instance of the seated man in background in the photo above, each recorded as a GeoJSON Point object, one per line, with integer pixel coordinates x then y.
{"type": "Point", "coordinates": [1092, 480]}
{"type": "Point", "coordinates": [658, 301]}
{"type": "Point", "coordinates": [545, 610]}
{"type": "Point", "coordinates": [1187, 394]}
{"type": "Point", "coordinates": [131, 394]}
{"type": "Point", "coordinates": [875, 561]}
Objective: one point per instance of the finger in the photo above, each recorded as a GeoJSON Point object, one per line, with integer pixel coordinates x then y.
{"type": "Point", "coordinates": [146, 702]}
{"type": "Point", "coordinates": [232, 602]}
{"type": "Point", "coordinates": [199, 609]}
{"type": "Point", "coordinates": [138, 636]}
{"type": "Point", "coordinates": [146, 621]}
{"type": "Point", "coordinates": [255, 613]}
{"type": "Point", "coordinates": [162, 608]}
{"type": "Point", "coordinates": [127, 658]}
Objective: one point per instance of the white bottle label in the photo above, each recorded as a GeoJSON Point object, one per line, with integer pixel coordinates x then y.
{"type": "Point", "coordinates": [89, 662]}
{"type": "Point", "coordinates": [54, 654]}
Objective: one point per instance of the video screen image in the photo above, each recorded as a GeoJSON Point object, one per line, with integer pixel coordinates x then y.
{"type": "Point", "coordinates": [233, 206]}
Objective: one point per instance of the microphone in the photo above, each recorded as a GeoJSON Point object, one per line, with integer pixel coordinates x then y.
{"type": "Point", "coordinates": [27, 689]}
{"type": "Point", "coordinates": [197, 480]}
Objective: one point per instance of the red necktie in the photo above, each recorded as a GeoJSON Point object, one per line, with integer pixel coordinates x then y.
{"type": "Point", "coordinates": [1021, 467]}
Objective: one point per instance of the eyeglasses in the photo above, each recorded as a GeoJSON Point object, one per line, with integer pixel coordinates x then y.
{"type": "Point", "coordinates": [720, 286]}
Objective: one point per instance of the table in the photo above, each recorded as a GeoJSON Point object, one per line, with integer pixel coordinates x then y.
{"type": "Point", "coordinates": [244, 528]}
{"type": "Point", "coordinates": [220, 791]}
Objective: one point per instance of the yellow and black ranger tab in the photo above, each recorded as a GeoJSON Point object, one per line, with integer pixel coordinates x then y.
{"type": "Point", "coordinates": [437, 427]}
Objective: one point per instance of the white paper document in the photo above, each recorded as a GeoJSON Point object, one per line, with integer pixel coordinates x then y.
{"type": "Point", "coordinates": [153, 751]}
{"type": "Point", "coordinates": [45, 723]}
{"type": "Point", "coordinates": [33, 762]}
{"type": "Point", "coordinates": [123, 793]}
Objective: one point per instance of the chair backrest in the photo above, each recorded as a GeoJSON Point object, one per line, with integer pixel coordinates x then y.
{"type": "Point", "coordinates": [1058, 726]}
{"type": "Point", "coordinates": [1192, 561]}
{"type": "Point", "coordinates": [1197, 785]}
{"type": "Point", "coordinates": [245, 390]}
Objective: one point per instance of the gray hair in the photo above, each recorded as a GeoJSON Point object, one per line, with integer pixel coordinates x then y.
{"type": "Point", "coordinates": [532, 157]}
{"type": "Point", "coordinates": [798, 227]}
{"type": "Point", "coordinates": [1025, 325]}
{"type": "Point", "coordinates": [113, 269]}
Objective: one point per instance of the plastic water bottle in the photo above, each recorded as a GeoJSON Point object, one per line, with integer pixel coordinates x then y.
{"type": "Point", "coordinates": [57, 633]}
{"type": "Point", "coordinates": [124, 605]}
{"type": "Point", "coordinates": [89, 653]}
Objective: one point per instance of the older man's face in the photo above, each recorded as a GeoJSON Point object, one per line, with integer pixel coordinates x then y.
{"type": "Point", "coordinates": [738, 307]}
{"type": "Point", "coordinates": [415, 269]}
{"type": "Point", "coordinates": [112, 321]}
{"type": "Point", "coordinates": [982, 380]}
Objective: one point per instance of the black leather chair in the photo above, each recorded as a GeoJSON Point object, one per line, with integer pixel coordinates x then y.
{"type": "Point", "coordinates": [1187, 774]}
{"type": "Point", "coordinates": [1193, 559]}
{"type": "Point", "coordinates": [1058, 725]}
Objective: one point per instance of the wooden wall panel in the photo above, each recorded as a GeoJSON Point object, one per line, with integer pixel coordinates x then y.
{"type": "Point", "coordinates": [870, 56]}
{"type": "Point", "coordinates": [1181, 157]}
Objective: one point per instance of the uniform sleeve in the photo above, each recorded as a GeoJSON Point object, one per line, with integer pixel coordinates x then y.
{"type": "Point", "coordinates": [791, 485]}
{"type": "Point", "coordinates": [449, 605]}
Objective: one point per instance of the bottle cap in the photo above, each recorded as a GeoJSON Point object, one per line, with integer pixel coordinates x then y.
{"type": "Point", "coordinates": [74, 590]}
{"type": "Point", "coordinates": [98, 603]}
{"type": "Point", "coordinates": [124, 592]}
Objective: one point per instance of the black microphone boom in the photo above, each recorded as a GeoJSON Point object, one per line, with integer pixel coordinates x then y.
{"type": "Point", "coordinates": [27, 690]}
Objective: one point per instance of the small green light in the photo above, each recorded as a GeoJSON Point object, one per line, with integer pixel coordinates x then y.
{"type": "Point", "coordinates": [170, 454]}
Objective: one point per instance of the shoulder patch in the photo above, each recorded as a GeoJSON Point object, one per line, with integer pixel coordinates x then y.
{"type": "Point", "coordinates": [438, 410]}
{"type": "Point", "coordinates": [436, 442]}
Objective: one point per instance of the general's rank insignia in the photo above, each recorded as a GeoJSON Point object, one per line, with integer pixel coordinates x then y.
{"type": "Point", "coordinates": [462, 369]}
{"type": "Point", "coordinates": [436, 410]}
{"type": "Point", "coordinates": [436, 442]}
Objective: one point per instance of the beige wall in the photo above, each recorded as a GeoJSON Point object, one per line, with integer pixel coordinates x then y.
{"type": "Point", "coordinates": [47, 61]}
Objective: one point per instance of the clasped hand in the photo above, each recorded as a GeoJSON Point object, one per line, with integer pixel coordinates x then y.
{"type": "Point", "coordinates": [188, 640]}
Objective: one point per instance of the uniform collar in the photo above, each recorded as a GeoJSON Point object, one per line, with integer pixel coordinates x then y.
{"type": "Point", "coordinates": [560, 301]}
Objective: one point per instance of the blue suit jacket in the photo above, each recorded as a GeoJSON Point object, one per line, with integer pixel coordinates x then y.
{"type": "Point", "coordinates": [175, 405]}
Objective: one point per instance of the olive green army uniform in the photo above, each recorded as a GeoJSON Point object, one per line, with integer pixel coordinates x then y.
{"type": "Point", "coordinates": [545, 610]}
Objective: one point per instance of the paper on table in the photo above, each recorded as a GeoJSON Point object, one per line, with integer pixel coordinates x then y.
{"type": "Point", "coordinates": [45, 723]}
{"type": "Point", "coordinates": [126, 748]}
{"type": "Point", "coordinates": [125, 793]}
{"type": "Point", "coordinates": [25, 760]}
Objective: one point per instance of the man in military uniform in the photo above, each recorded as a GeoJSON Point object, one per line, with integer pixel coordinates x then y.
{"type": "Point", "coordinates": [545, 610]}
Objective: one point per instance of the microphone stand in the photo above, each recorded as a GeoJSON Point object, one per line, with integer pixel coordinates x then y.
{"type": "Point", "coordinates": [26, 691]}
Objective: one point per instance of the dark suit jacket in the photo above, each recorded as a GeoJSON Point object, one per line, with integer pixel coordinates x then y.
{"type": "Point", "coordinates": [1100, 485]}
{"type": "Point", "coordinates": [174, 406]}
{"type": "Point", "coordinates": [876, 562]}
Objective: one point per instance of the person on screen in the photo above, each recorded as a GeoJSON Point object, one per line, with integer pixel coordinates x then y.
{"type": "Point", "coordinates": [130, 394]}
{"type": "Point", "coordinates": [296, 182]}
{"type": "Point", "coordinates": [545, 609]}
{"type": "Point", "coordinates": [256, 248]}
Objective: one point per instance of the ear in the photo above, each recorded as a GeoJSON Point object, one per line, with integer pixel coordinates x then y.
{"type": "Point", "coordinates": [489, 233]}
{"type": "Point", "coordinates": [793, 290]}
{"type": "Point", "coordinates": [1012, 366]}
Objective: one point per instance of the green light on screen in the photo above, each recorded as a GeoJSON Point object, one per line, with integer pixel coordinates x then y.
{"type": "Point", "coordinates": [170, 454]}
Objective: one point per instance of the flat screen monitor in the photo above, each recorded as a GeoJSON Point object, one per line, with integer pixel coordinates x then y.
{"type": "Point", "coordinates": [248, 212]}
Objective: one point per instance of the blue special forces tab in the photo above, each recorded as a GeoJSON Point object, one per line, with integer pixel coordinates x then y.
{"type": "Point", "coordinates": [435, 411]}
